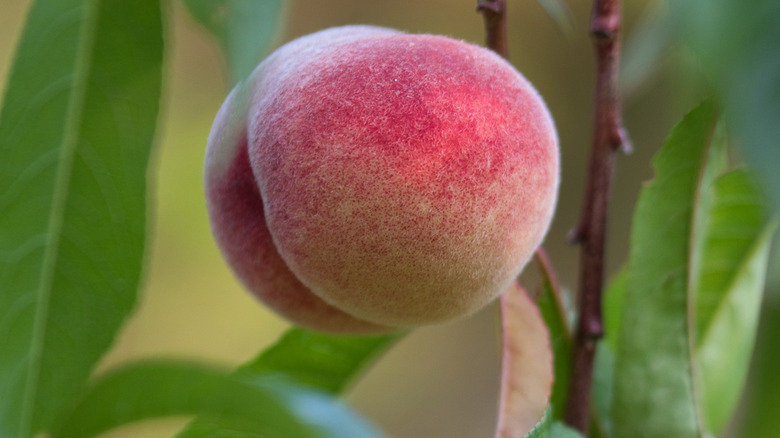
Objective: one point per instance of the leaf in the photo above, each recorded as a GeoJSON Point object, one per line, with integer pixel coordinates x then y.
{"type": "Point", "coordinates": [614, 299]}
{"type": "Point", "coordinates": [602, 391]}
{"type": "Point", "coordinates": [542, 428]}
{"type": "Point", "coordinates": [648, 48]}
{"type": "Point", "coordinates": [245, 29]}
{"type": "Point", "coordinates": [759, 415]}
{"type": "Point", "coordinates": [553, 313]}
{"type": "Point", "coordinates": [324, 362]}
{"type": "Point", "coordinates": [729, 292]}
{"type": "Point", "coordinates": [560, 430]}
{"type": "Point", "coordinates": [654, 388]}
{"type": "Point", "coordinates": [270, 407]}
{"type": "Point", "coordinates": [526, 365]}
{"type": "Point", "coordinates": [75, 134]}
{"type": "Point", "coordinates": [560, 13]}
{"type": "Point", "coordinates": [547, 428]}
{"type": "Point", "coordinates": [694, 284]}
{"type": "Point", "coordinates": [736, 46]}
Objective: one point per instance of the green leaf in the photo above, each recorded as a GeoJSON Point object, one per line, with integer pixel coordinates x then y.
{"type": "Point", "coordinates": [694, 285]}
{"type": "Point", "coordinates": [542, 428]}
{"type": "Point", "coordinates": [560, 430]}
{"type": "Point", "coordinates": [602, 391]}
{"type": "Point", "coordinates": [736, 218]}
{"type": "Point", "coordinates": [736, 46]}
{"type": "Point", "coordinates": [327, 362]}
{"type": "Point", "coordinates": [547, 428]}
{"type": "Point", "coordinates": [75, 133]}
{"type": "Point", "coordinates": [614, 299]}
{"type": "Point", "coordinates": [269, 407]}
{"type": "Point", "coordinates": [654, 388]}
{"type": "Point", "coordinates": [324, 362]}
{"type": "Point", "coordinates": [604, 366]}
{"type": "Point", "coordinates": [728, 298]}
{"type": "Point", "coordinates": [553, 312]}
{"type": "Point", "coordinates": [759, 416]}
{"type": "Point", "coordinates": [245, 29]}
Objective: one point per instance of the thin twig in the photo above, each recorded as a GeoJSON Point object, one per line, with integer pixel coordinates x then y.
{"type": "Point", "coordinates": [494, 12]}
{"type": "Point", "coordinates": [608, 137]}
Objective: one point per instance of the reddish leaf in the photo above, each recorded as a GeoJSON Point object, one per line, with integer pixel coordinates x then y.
{"type": "Point", "coordinates": [527, 365]}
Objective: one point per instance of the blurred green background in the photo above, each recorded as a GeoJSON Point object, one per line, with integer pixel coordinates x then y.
{"type": "Point", "coordinates": [440, 381]}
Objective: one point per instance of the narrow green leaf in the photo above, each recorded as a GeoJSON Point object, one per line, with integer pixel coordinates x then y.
{"type": "Point", "coordinates": [736, 218]}
{"type": "Point", "coordinates": [323, 362]}
{"type": "Point", "coordinates": [654, 388]}
{"type": "Point", "coordinates": [703, 201]}
{"type": "Point", "coordinates": [245, 29]}
{"type": "Point", "coordinates": [604, 366]}
{"type": "Point", "coordinates": [728, 298]}
{"type": "Point", "coordinates": [269, 407]}
{"type": "Point", "coordinates": [75, 133]}
{"type": "Point", "coordinates": [554, 316]}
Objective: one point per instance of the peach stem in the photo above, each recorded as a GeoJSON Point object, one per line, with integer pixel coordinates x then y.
{"type": "Point", "coordinates": [494, 13]}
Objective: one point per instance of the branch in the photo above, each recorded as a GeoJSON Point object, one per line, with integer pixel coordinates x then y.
{"type": "Point", "coordinates": [608, 137]}
{"type": "Point", "coordinates": [494, 12]}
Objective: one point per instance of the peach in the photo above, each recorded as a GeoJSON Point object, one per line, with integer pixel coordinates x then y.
{"type": "Point", "coordinates": [365, 179]}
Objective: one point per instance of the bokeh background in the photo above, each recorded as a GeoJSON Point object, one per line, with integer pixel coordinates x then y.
{"type": "Point", "coordinates": [439, 381]}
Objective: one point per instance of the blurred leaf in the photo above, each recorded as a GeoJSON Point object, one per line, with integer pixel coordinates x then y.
{"type": "Point", "coordinates": [647, 49]}
{"type": "Point", "coordinates": [75, 133]}
{"type": "Point", "coordinates": [324, 362]}
{"type": "Point", "coordinates": [736, 45]}
{"type": "Point", "coordinates": [269, 407]}
{"type": "Point", "coordinates": [560, 13]}
{"type": "Point", "coordinates": [729, 293]}
{"type": "Point", "coordinates": [758, 416]}
{"type": "Point", "coordinates": [526, 365]}
{"type": "Point", "coordinates": [554, 315]}
{"type": "Point", "coordinates": [245, 29]}
{"type": "Point", "coordinates": [654, 388]}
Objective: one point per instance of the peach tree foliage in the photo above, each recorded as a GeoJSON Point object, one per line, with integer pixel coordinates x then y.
{"type": "Point", "coordinates": [79, 113]}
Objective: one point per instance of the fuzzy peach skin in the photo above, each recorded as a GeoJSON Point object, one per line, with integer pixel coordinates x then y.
{"type": "Point", "coordinates": [404, 179]}
{"type": "Point", "coordinates": [236, 210]}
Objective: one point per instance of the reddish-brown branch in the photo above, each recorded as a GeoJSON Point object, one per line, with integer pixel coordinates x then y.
{"type": "Point", "coordinates": [608, 137]}
{"type": "Point", "coordinates": [494, 12]}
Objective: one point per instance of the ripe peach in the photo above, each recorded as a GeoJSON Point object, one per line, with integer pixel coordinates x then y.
{"type": "Point", "coordinates": [364, 179]}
